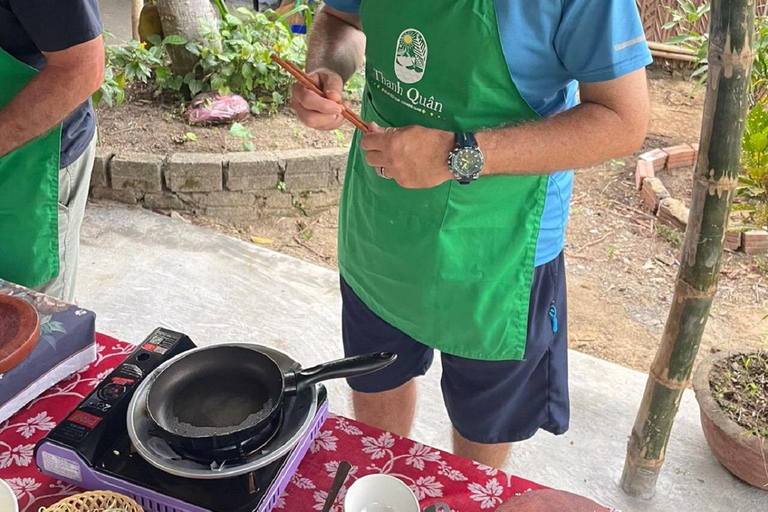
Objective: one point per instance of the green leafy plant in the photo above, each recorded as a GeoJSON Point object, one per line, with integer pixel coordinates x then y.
{"type": "Point", "coordinates": [235, 57]}
{"type": "Point", "coordinates": [355, 86]}
{"type": "Point", "coordinates": [131, 62]}
{"type": "Point", "coordinates": [184, 137]}
{"type": "Point", "coordinates": [241, 132]}
{"type": "Point", "coordinates": [222, 7]}
{"type": "Point", "coordinates": [686, 17]}
{"type": "Point", "coordinates": [752, 189]}
{"type": "Point", "coordinates": [112, 90]}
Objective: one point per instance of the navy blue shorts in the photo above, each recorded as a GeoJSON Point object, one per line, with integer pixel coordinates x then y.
{"type": "Point", "coordinates": [488, 401]}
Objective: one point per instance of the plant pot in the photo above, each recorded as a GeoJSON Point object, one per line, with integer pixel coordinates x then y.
{"type": "Point", "coordinates": [19, 331]}
{"type": "Point", "coordinates": [742, 454]}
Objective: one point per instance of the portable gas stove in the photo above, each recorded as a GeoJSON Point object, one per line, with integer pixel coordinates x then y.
{"type": "Point", "coordinates": [106, 443]}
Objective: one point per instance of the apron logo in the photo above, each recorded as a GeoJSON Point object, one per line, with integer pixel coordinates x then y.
{"type": "Point", "coordinates": [411, 56]}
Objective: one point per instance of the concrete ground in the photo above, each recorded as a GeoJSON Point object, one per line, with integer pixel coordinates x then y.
{"type": "Point", "coordinates": [139, 270]}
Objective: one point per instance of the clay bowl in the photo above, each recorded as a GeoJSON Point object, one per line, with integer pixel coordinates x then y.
{"type": "Point", "coordinates": [19, 331]}
{"type": "Point", "coordinates": [743, 455]}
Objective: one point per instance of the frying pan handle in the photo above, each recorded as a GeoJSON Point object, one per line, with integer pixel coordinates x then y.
{"type": "Point", "coordinates": [341, 369]}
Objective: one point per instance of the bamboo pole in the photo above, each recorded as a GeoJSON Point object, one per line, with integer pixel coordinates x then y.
{"type": "Point", "coordinates": [715, 176]}
{"type": "Point", "coordinates": [653, 45]}
{"type": "Point", "coordinates": [136, 7]}
{"type": "Point", "coordinates": [673, 56]}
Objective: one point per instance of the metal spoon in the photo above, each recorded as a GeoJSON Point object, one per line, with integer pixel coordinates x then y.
{"type": "Point", "coordinates": [338, 482]}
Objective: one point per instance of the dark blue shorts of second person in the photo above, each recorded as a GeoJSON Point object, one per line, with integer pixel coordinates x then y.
{"type": "Point", "coordinates": [488, 401]}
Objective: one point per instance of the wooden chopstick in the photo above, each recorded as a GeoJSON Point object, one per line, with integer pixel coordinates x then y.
{"type": "Point", "coordinates": [302, 77]}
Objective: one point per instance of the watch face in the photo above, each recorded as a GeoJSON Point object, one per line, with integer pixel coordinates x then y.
{"type": "Point", "coordinates": [467, 162]}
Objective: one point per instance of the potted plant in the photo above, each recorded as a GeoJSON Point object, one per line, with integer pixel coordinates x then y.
{"type": "Point", "coordinates": [732, 391]}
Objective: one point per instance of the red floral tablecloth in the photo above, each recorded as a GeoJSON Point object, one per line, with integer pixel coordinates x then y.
{"type": "Point", "coordinates": [433, 475]}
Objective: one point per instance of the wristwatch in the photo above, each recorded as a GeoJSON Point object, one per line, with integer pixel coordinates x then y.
{"type": "Point", "coordinates": [466, 160]}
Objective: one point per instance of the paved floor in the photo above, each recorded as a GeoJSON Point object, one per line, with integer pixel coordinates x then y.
{"type": "Point", "coordinates": [141, 270]}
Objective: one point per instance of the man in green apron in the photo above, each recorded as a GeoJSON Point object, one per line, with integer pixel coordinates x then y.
{"type": "Point", "coordinates": [454, 208]}
{"type": "Point", "coordinates": [51, 62]}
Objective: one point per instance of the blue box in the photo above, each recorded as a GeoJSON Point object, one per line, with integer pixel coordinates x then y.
{"type": "Point", "coordinates": [67, 345]}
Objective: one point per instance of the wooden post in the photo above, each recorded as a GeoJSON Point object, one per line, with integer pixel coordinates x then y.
{"type": "Point", "coordinates": [136, 7]}
{"type": "Point", "coordinates": [715, 176]}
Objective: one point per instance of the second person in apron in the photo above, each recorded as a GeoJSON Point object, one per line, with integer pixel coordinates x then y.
{"type": "Point", "coordinates": [51, 62]}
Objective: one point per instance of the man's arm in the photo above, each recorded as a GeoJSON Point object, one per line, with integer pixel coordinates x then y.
{"type": "Point", "coordinates": [69, 78]}
{"type": "Point", "coordinates": [336, 43]}
{"type": "Point", "coordinates": [610, 122]}
{"type": "Point", "coordinates": [336, 48]}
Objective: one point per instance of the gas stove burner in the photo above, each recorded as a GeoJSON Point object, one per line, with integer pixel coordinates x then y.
{"type": "Point", "coordinates": [93, 449]}
{"type": "Point", "coordinates": [298, 412]}
{"type": "Point", "coordinates": [219, 457]}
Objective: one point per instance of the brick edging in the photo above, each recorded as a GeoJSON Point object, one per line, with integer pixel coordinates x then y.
{"type": "Point", "coordinates": [235, 187]}
{"type": "Point", "coordinates": [672, 212]}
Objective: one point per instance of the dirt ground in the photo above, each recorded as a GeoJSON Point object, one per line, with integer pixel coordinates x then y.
{"type": "Point", "coordinates": [152, 126]}
{"type": "Point", "coordinates": [740, 386]}
{"type": "Point", "coordinates": [621, 266]}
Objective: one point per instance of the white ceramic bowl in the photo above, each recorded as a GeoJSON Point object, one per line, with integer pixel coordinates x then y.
{"type": "Point", "coordinates": [7, 498]}
{"type": "Point", "coordinates": [380, 493]}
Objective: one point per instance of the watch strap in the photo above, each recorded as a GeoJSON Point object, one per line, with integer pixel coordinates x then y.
{"type": "Point", "coordinates": [466, 140]}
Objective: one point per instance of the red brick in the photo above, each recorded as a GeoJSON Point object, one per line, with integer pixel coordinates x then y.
{"type": "Point", "coordinates": [654, 192]}
{"type": "Point", "coordinates": [658, 157]}
{"type": "Point", "coordinates": [644, 169]}
{"type": "Point", "coordinates": [756, 241]}
{"type": "Point", "coordinates": [680, 156]}
{"type": "Point", "coordinates": [732, 241]}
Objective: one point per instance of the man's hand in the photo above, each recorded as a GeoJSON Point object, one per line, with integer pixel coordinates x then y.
{"type": "Point", "coordinates": [550, 500]}
{"type": "Point", "coordinates": [414, 156]}
{"type": "Point", "coordinates": [315, 111]}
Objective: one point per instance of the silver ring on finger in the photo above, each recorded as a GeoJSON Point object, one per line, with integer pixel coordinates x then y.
{"type": "Point", "coordinates": [383, 174]}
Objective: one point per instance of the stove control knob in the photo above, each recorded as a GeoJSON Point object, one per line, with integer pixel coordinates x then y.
{"type": "Point", "coordinates": [111, 392]}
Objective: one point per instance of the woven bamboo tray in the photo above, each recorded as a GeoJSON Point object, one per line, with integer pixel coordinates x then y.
{"type": "Point", "coordinates": [100, 501]}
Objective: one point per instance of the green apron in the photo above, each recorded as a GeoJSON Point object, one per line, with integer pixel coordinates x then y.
{"type": "Point", "coordinates": [450, 266]}
{"type": "Point", "coordinates": [29, 191]}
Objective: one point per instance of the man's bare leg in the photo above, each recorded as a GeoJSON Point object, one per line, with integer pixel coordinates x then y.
{"type": "Point", "coordinates": [391, 410]}
{"type": "Point", "coordinates": [493, 455]}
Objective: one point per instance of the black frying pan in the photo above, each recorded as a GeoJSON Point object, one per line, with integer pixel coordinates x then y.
{"type": "Point", "coordinates": [224, 396]}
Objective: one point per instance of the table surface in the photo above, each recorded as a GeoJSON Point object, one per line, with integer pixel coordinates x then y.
{"type": "Point", "coordinates": [433, 475]}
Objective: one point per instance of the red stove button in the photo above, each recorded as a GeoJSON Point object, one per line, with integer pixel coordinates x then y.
{"type": "Point", "coordinates": [84, 419]}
